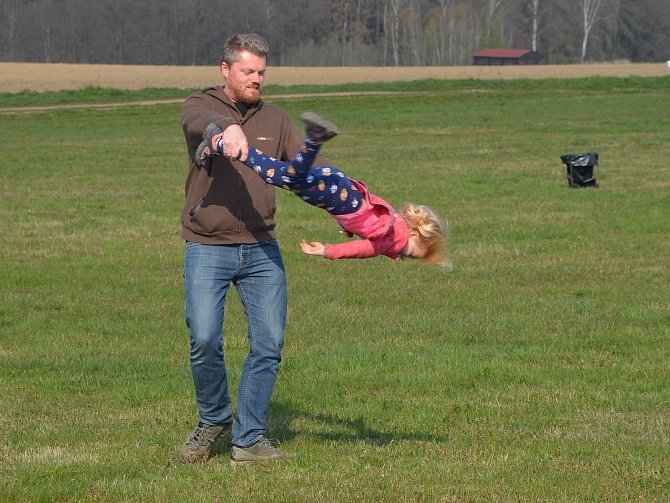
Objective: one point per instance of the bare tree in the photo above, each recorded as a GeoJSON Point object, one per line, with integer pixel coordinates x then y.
{"type": "Point", "coordinates": [11, 13]}
{"type": "Point", "coordinates": [445, 6]}
{"type": "Point", "coordinates": [346, 18]}
{"type": "Point", "coordinates": [494, 5]}
{"type": "Point", "coordinates": [396, 6]}
{"type": "Point", "coordinates": [385, 28]}
{"type": "Point", "coordinates": [534, 6]}
{"type": "Point", "coordinates": [589, 9]}
{"type": "Point", "coordinates": [415, 33]}
{"type": "Point", "coordinates": [46, 23]}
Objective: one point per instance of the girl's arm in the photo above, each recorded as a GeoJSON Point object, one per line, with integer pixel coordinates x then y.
{"type": "Point", "coordinates": [363, 248]}
{"type": "Point", "coordinates": [358, 248]}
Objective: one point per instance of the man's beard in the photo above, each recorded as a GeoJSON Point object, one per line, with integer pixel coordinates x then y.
{"type": "Point", "coordinates": [249, 96]}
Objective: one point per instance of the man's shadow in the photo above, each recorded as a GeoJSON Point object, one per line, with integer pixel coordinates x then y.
{"type": "Point", "coordinates": [282, 416]}
{"type": "Point", "coordinates": [333, 428]}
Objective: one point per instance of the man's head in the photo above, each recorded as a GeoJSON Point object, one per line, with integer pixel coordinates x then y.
{"type": "Point", "coordinates": [243, 63]}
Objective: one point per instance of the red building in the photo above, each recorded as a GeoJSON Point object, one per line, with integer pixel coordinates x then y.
{"type": "Point", "coordinates": [506, 57]}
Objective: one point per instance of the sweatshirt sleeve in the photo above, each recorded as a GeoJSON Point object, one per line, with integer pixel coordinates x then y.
{"type": "Point", "coordinates": [359, 248]}
{"type": "Point", "coordinates": [197, 114]}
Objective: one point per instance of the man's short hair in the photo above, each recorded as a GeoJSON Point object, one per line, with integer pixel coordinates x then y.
{"type": "Point", "coordinates": [243, 42]}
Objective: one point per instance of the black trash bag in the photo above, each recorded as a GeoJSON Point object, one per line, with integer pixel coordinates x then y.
{"type": "Point", "coordinates": [580, 169]}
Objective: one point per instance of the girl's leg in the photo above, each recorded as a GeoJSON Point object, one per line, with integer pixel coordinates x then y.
{"type": "Point", "coordinates": [330, 189]}
{"type": "Point", "coordinates": [319, 131]}
{"type": "Point", "coordinates": [283, 174]}
{"type": "Point", "coordinates": [268, 168]}
{"type": "Point", "coordinates": [287, 175]}
{"type": "Point", "coordinates": [324, 187]}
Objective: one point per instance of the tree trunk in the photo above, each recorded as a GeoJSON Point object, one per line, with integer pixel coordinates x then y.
{"type": "Point", "coordinates": [590, 10]}
{"type": "Point", "coordinates": [534, 9]}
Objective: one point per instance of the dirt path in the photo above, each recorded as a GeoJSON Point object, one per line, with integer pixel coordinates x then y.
{"type": "Point", "coordinates": [103, 106]}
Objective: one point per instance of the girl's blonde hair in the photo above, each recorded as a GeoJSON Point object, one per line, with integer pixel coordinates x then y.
{"type": "Point", "coordinates": [433, 232]}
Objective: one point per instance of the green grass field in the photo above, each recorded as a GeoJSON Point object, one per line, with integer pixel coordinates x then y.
{"type": "Point", "coordinates": [536, 371]}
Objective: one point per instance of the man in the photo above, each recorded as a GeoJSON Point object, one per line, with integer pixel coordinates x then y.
{"type": "Point", "coordinates": [228, 224]}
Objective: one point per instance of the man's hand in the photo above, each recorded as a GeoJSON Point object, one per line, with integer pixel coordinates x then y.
{"type": "Point", "coordinates": [235, 143]}
{"type": "Point", "coordinates": [313, 248]}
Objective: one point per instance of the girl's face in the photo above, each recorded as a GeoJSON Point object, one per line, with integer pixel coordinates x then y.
{"type": "Point", "coordinates": [415, 247]}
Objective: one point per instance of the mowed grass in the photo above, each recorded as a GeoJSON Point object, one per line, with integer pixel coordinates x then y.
{"type": "Point", "coordinates": [536, 371]}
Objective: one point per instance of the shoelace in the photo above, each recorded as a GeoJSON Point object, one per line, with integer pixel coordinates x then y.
{"type": "Point", "coordinates": [271, 442]}
{"type": "Point", "coordinates": [195, 439]}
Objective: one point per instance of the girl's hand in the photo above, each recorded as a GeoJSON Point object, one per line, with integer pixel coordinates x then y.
{"type": "Point", "coordinates": [313, 248]}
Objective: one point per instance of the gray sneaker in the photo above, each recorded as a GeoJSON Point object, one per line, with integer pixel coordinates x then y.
{"type": "Point", "coordinates": [262, 451]}
{"type": "Point", "coordinates": [199, 443]}
{"type": "Point", "coordinates": [319, 130]}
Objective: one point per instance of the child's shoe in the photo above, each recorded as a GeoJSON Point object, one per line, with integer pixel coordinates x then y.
{"type": "Point", "coordinates": [210, 146]}
{"type": "Point", "coordinates": [319, 130]}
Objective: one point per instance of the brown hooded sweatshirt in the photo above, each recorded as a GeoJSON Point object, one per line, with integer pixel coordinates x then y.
{"type": "Point", "coordinates": [227, 202]}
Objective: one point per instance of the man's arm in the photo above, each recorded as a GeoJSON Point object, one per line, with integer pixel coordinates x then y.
{"type": "Point", "coordinates": [197, 113]}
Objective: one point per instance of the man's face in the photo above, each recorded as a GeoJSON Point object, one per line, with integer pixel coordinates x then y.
{"type": "Point", "coordinates": [244, 78]}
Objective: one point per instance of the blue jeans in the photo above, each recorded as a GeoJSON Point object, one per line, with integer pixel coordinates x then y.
{"type": "Point", "coordinates": [257, 271]}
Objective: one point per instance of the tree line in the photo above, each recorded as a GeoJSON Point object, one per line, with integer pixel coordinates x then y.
{"type": "Point", "coordinates": [333, 32]}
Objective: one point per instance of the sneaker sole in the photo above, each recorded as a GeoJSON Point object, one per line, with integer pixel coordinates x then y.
{"type": "Point", "coordinates": [204, 143]}
{"type": "Point", "coordinates": [246, 462]}
{"type": "Point", "coordinates": [258, 460]}
{"type": "Point", "coordinates": [243, 463]}
{"type": "Point", "coordinates": [315, 120]}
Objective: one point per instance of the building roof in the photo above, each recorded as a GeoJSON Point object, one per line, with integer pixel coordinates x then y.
{"type": "Point", "coordinates": [501, 53]}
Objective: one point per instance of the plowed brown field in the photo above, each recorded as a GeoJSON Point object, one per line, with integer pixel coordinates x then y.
{"type": "Point", "coordinates": [16, 77]}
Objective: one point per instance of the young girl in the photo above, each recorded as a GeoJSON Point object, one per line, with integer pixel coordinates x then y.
{"type": "Point", "coordinates": [415, 233]}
